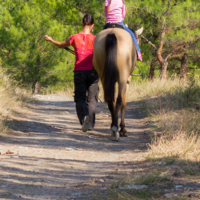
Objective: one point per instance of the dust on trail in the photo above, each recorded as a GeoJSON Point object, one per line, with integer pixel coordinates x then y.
{"type": "Point", "coordinates": [53, 159]}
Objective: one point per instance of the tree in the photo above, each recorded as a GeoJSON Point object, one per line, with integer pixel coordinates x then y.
{"type": "Point", "coordinates": [26, 56]}
{"type": "Point", "coordinates": [170, 25]}
{"type": "Point", "coordinates": [23, 49]}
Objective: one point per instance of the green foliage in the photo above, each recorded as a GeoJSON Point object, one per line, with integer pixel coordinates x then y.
{"type": "Point", "coordinates": [23, 49]}
{"type": "Point", "coordinates": [182, 24]}
{"type": "Point", "coordinates": [25, 55]}
{"type": "Point", "coordinates": [28, 58]}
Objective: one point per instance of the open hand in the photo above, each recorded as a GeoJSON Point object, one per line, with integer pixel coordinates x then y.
{"type": "Point", "coordinates": [47, 38]}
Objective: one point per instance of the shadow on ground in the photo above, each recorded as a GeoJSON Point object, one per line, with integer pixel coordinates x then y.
{"type": "Point", "coordinates": [53, 159]}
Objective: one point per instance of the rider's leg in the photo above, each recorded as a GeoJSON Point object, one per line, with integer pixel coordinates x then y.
{"type": "Point", "coordinates": [80, 87]}
{"type": "Point", "coordinates": [93, 90]}
{"type": "Point", "coordinates": [134, 40]}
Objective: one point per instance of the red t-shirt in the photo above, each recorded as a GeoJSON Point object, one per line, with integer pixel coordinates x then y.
{"type": "Point", "coordinates": [83, 46]}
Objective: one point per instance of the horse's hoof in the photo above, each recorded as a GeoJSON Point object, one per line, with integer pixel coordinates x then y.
{"type": "Point", "coordinates": [121, 134]}
{"type": "Point", "coordinates": [116, 137]}
{"type": "Point", "coordinates": [125, 134]}
{"type": "Point", "coordinates": [115, 134]}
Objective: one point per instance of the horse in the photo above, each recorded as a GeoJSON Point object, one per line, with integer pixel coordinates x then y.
{"type": "Point", "coordinates": [114, 59]}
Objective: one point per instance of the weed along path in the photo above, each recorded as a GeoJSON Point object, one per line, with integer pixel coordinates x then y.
{"type": "Point", "coordinates": [47, 156]}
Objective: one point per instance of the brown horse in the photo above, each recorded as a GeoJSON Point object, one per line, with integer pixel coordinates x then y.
{"type": "Point", "coordinates": [114, 59]}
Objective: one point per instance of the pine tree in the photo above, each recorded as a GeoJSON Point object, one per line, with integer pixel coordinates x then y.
{"type": "Point", "coordinates": [25, 55]}
{"type": "Point", "coordinates": [23, 26]}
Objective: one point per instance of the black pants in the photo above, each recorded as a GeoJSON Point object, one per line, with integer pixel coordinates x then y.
{"type": "Point", "coordinates": [86, 94]}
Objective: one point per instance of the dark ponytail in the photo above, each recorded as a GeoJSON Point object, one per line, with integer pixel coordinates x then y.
{"type": "Point", "coordinates": [88, 20]}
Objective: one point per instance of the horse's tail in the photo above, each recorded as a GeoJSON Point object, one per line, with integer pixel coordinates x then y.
{"type": "Point", "coordinates": [110, 69]}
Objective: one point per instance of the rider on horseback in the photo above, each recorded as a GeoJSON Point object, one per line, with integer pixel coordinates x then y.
{"type": "Point", "coordinates": [115, 11]}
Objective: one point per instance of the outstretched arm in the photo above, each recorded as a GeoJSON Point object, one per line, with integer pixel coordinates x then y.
{"type": "Point", "coordinates": [58, 44]}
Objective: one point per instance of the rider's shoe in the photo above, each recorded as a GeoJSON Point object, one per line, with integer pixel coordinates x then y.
{"type": "Point", "coordinates": [140, 56]}
{"type": "Point", "coordinates": [85, 125]}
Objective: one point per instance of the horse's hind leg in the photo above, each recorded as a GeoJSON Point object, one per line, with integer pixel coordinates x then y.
{"type": "Point", "coordinates": [118, 107]}
{"type": "Point", "coordinates": [112, 110]}
{"type": "Point", "coordinates": [123, 131]}
{"type": "Point", "coordinates": [114, 129]}
{"type": "Point", "coordinates": [114, 126]}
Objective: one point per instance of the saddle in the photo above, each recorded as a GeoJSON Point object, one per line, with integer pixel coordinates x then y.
{"type": "Point", "coordinates": [113, 26]}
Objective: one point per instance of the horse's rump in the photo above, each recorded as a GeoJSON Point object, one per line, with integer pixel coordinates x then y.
{"type": "Point", "coordinates": [113, 49]}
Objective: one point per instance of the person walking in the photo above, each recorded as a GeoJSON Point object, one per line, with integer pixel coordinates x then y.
{"type": "Point", "coordinates": [85, 77]}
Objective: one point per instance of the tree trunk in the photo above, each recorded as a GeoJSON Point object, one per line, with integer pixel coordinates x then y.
{"type": "Point", "coordinates": [163, 63]}
{"type": "Point", "coordinates": [163, 73]}
{"type": "Point", "coordinates": [36, 87]}
{"type": "Point", "coordinates": [183, 66]}
{"type": "Point", "coordinates": [152, 70]}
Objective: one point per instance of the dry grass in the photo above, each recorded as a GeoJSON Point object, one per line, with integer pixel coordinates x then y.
{"type": "Point", "coordinates": [174, 107]}
{"type": "Point", "coordinates": [12, 99]}
{"type": "Point", "coordinates": [180, 145]}
{"type": "Point", "coordinates": [170, 121]}
{"type": "Point", "coordinates": [167, 95]}
{"type": "Point", "coordinates": [144, 89]}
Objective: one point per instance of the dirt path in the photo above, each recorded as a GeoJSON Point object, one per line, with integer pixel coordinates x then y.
{"type": "Point", "coordinates": [53, 159]}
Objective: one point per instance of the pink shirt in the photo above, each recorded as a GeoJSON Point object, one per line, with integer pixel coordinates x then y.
{"type": "Point", "coordinates": [117, 11]}
{"type": "Point", "coordinates": [83, 46]}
